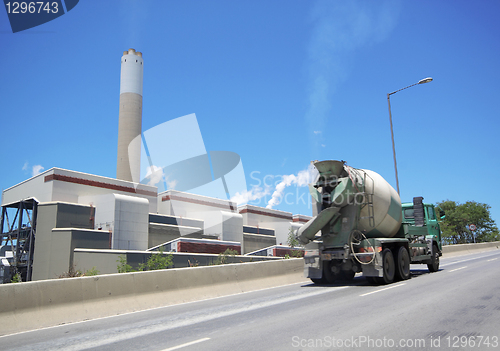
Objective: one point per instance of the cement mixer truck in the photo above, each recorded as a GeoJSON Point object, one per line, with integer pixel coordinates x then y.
{"type": "Point", "coordinates": [360, 225]}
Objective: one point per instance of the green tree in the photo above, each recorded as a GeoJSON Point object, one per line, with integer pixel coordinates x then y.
{"type": "Point", "coordinates": [458, 217]}
{"type": "Point", "coordinates": [293, 242]}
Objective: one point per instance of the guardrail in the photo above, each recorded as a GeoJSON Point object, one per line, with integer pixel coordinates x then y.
{"type": "Point", "coordinates": [459, 249]}
{"type": "Point", "coordinates": [38, 304]}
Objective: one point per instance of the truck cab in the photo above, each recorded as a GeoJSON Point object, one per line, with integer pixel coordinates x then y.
{"type": "Point", "coordinates": [419, 219]}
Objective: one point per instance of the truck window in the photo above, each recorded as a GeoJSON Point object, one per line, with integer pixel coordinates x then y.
{"type": "Point", "coordinates": [409, 213]}
{"type": "Point", "coordinates": [431, 214]}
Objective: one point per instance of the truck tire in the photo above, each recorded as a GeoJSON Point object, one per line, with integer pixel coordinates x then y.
{"type": "Point", "coordinates": [347, 275]}
{"type": "Point", "coordinates": [388, 267]}
{"type": "Point", "coordinates": [328, 275]}
{"type": "Point", "coordinates": [434, 265]}
{"type": "Point", "coordinates": [402, 264]}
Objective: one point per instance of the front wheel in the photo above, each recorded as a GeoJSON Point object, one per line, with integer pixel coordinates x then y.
{"type": "Point", "coordinates": [434, 265]}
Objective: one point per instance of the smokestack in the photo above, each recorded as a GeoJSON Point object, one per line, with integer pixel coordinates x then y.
{"type": "Point", "coordinates": [130, 116]}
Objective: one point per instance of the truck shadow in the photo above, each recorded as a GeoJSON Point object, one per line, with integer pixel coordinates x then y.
{"type": "Point", "coordinates": [356, 281]}
{"type": "Point", "coordinates": [359, 280]}
{"type": "Point", "coordinates": [418, 272]}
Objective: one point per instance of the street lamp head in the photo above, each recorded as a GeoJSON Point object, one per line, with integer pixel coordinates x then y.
{"type": "Point", "coordinates": [425, 80]}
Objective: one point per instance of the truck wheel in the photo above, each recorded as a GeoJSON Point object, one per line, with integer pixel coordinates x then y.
{"type": "Point", "coordinates": [403, 264]}
{"type": "Point", "coordinates": [388, 267]}
{"type": "Point", "coordinates": [318, 280]}
{"type": "Point", "coordinates": [434, 265]}
{"type": "Point", "coordinates": [347, 275]}
{"type": "Point", "coordinates": [328, 275]}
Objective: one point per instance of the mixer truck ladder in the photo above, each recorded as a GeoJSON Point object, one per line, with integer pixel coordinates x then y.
{"type": "Point", "coordinates": [368, 201]}
{"type": "Point", "coordinates": [371, 211]}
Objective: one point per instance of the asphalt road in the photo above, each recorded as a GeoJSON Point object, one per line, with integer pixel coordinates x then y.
{"type": "Point", "coordinates": [457, 308]}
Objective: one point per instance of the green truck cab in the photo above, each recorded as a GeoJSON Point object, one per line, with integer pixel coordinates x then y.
{"type": "Point", "coordinates": [430, 226]}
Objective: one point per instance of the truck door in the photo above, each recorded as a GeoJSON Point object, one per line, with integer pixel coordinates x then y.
{"type": "Point", "coordinates": [432, 224]}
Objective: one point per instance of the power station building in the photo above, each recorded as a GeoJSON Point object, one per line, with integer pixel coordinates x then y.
{"type": "Point", "coordinates": [61, 220]}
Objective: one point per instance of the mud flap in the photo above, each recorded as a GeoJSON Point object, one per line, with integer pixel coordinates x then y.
{"type": "Point", "coordinates": [314, 273]}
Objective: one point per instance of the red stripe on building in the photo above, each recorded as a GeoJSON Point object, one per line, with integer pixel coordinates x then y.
{"type": "Point", "coordinates": [74, 180]}
{"type": "Point", "coordinates": [183, 246]}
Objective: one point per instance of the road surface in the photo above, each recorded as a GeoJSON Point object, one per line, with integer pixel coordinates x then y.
{"type": "Point", "coordinates": [457, 308]}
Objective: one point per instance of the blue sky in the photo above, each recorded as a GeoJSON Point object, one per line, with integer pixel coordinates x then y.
{"type": "Point", "coordinates": [280, 83]}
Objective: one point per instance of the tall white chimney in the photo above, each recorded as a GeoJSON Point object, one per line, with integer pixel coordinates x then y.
{"type": "Point", "coordinates": [130, 117]}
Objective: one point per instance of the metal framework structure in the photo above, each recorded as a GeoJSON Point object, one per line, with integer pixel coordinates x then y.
{"type": "Point", "coordinates": [18, 234]}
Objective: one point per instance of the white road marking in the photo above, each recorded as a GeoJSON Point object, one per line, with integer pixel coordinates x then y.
{"type": "Point", "coordinates": [115, 335]}
{"type": "Point", "coordinates": [469, 259]}
{"type": "Point", "coordinates": [186, 344]}
{"type": "Point", "coordinates": [457, 269]}
{"type": "Point", "coordinates": [493, 259]}
{"type": "Point", "coordinates": [379, 290]}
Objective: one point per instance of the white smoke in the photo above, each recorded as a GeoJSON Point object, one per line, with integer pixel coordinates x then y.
{"type": "Point", "coordinates": [36, 170]}
{"type": "Point", "coordinates": [256, 193]}
{"type": "Point", "coordinates": [171, 184]}
{"type": "Point", "coordinates": [303, 178]}
{"type": "Point", "coordinates": [154, 175]}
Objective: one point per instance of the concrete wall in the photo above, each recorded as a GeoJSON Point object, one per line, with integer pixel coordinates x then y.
{"type": "Point", "coordinates": [48, 255]}
{"type": "Point", "coordinates": [52, 302]}
{"type": "Point", "coordinates": [60, 228]}
{"type": "Point", "coordinates": [106, 261]}
{"type": "Point", "coordinates": [62, 244]}
{"type": "Point", "coordinates": [460, 249]}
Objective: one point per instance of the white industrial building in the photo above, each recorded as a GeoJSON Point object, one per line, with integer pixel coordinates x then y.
{"type": "Point", "coordinates": [65, 218]}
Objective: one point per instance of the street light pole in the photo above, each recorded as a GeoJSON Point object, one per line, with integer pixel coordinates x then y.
{"type": "Point", "coordinates": [422, 81]}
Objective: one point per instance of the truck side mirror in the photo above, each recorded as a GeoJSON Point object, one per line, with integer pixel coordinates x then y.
{"type": "Point", "coordinates": [442, 214]}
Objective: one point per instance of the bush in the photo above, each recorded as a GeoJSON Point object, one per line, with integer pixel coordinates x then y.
{"type": "Point", "coordinates": [75, 273]}
{"type": "Point", "coordinates": [123, 266]}
{"type": "Point", "coordinates": [91, 272]}
{"type": "Point", "coordinates": [157, 261]}
{"type": "Point", "coordinates": [16, 278]}
{"type": "Point", "coordinates": [222, 258]}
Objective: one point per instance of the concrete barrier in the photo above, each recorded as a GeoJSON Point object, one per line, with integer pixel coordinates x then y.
{"type": "Point", "coordinates": [32, 305]}
{"type": "Point", "coordinates": [462, 249]}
